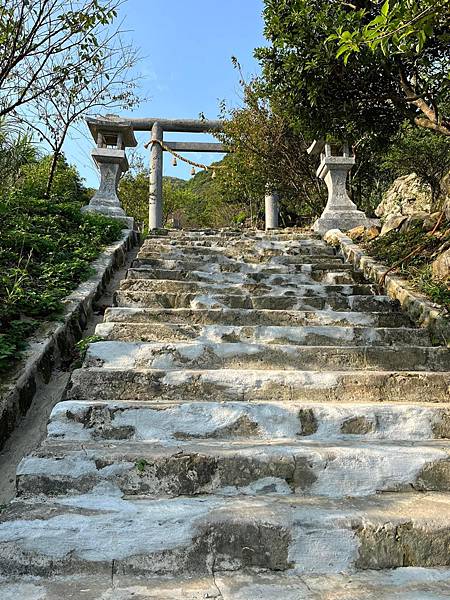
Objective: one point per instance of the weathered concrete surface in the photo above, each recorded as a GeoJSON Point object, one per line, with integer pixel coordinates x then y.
{"type": "Point", "coordinates": [314, 335]}
{"type": "Point", "coordinates": [399, 584]}
{"type": "Point", "coordinates": [88, 533]}
{"type": "Point", "coordinates": [253, 385]}
{"type": "Point", "coordinates": [257, 422]}
{"type": "Point", "coordinates": [408, 583]}
{"type": "Point", "coordinates": [54, 341]}
{"type": "Point", "coordinates": [180, 467]}
{"type": "Point", "coordinates": [233, 355]}
{"type": "Point", "coordinates": [109, 587]}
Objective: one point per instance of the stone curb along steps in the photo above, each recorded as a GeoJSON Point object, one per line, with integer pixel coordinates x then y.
{"type": "Point", "coordinates": [54, 341]}
{"type": "Point", "coordinates": [258, 421]}
{"type": "Point", "coordinates": [416, 305]}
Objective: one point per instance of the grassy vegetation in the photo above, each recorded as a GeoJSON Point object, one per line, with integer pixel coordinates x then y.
{"type": "Point", "coordinates": [395, 246]}
{"type": "Point", "coordinates": [46, 247]}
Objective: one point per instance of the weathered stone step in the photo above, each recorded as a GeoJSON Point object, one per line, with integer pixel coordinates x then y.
{"type": "Point", "coordinates": [315, 335]}
{"type": "Point", "coordinates": [224, 276]}
{"type": "Point", "coordinates": [101, 533]}
{"type": "Point", "coordinates": [126, 300]}
{"type": "Point", "coordinates": [407, 583]}
{"type": "Point", "coordinates": [223, 355]}
{"type": "Point", "coordinates": [283, 285]}
{"type": "Point", "coordinates": [252, 385]}
{"type": "Point", "coordinates": [114, 587]}
{"type": "Point", "coordinates": [316, 290]}
{"type": "Point", "coordinates": [266, 421]}
{"type": "Point", "coordinates": [256, 243]}
{"type": "Point", "coordinates": [144, 268]}
{"type": "Point", "coordinates": [185, 468]}
{"type": "Point", "coordinates": [270, 276]}
{"type": "Point", "coordinates": [268, 301]}
{"type": "Point", "coordinates": [248, 251]}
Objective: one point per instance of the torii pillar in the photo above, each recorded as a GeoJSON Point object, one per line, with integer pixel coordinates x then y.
{"type": "Point", "coordinates": [271, 205]}
{"type": "Point", "coordinates": [155, 212]}
{"type": "Point", "coordinates": [157, 127]}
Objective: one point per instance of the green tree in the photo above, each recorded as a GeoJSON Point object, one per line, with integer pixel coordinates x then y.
{"type": "Point", "coordinates": [414, 36]}
{"type": "Point", "coordinates": [134, 193]}
{"type": "Point", "coordinates": [419, 151]}
{"type": "Point", "coordinates": [16, 150]}
{"type": "Point", "coordinates": [48, 43]}
{"type": "Point", "coordinates": [265, 151]}
{"type": "Point", "coordinates": [59, 62]}
{"type": "Point", "coordinates": [370, 93]}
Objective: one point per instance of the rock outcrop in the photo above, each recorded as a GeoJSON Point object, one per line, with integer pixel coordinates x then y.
{"type": "Point", "coordinates": [406, 196]}
{"type": "Point", "coordinates": [441, 267]}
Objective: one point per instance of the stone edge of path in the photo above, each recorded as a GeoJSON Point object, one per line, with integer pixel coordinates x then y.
{"type": "Point", "coordinates": [421, 311]}
{"type": "Point", "coordinates": [54, 340]}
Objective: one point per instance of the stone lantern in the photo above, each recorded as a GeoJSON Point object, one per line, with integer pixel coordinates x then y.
{"type": "Point", "coordinates": [340, 212]}
{"type": "Point", "coordinates": [112, 135]}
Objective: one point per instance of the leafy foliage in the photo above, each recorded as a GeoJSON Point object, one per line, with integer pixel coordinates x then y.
{"type": "Point", "coordinates": [16, 151]}
{"type": "Point", "coordinates": [45, 44]}
{"type": "Point", "coordinates": [195, 203]}
{"type": "Point", "coordinates": [419, 151]}
{"type": "Point", "coordinates": [267, 152]}
{"type": "Point", "coordinates": [58, 61]}
{"type": "Point", "coordinates": [372, 92]}
{"type": "Point", "coordinates": [399, 27]}
{"type": "Point", "coordinates": [46, 247]}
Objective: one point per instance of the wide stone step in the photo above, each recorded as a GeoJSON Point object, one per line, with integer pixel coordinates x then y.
{"type": "Point", "coordinates": [241, 253]}
{"type": "Point", "coordinates": [273, 284]}
{"type": "Point", "coordinates": [126, 300]}
{"type": "Point", "coordinates": [113, 587]}
{"type": "Point", "coordinates": [237, 421]}
{"type": "Point", "coordinates": [101, 533]}
{"type": "Point", "coordinates": [186, 468]}
{"type": "Point", "coordinates": [144, 269]}
{"type": "Point", "coordinates": [253, 385]}
{"type": "Point", "coordinates": [315, 335]}
{"type": "Point", "coordinates": [407, 583]}
{"type": "Point", "coordinates": [270, 276]}
{"type": "Point", "coordinates": [236, 245]}
{"type": "Point", "coordinates": [223, 355]}
{"type": "Point", "coordinates": [270, 302]}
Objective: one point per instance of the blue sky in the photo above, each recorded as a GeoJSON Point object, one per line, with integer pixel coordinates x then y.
{"type": "Point", "coordinates": [187, 68]}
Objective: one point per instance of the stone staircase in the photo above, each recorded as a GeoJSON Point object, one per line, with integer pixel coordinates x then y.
{"type": "Point", "coordinates": [258, 422]}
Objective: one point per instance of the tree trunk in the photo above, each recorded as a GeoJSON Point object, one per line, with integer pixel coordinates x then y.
{"type": "Point", "coordinates": [430, 119]}
{"type": "Point", "coordinates": [51, 174]}
{"type": "Point", "coordinates": [54, 164]}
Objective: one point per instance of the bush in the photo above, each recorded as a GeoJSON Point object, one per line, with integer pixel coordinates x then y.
{"type": "Point", "coordinates": [394, 248]}
{"type": "Point", "coordinates": [46, 247]}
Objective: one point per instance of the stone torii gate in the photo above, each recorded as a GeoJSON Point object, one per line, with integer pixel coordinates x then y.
{"type": "Point", "coordinates": [113, 135]}
{"type": "Point", "coordinates": [157, 127]}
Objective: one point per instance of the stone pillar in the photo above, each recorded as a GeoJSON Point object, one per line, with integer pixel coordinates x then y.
{"type": "Point", "coordinates": [112, 136]}
{"type": "Point", "coordinates": [155, 213]}
{"type": "Point", "coordinates": [340, 212]}
{"type": "Point", "coordinates": [271, 210]}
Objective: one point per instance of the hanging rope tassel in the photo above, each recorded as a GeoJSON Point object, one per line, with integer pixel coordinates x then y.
{"type": "Point", "coordinates": [174, 161]}
{"type": "Point", "coordinates": [182, 158]}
